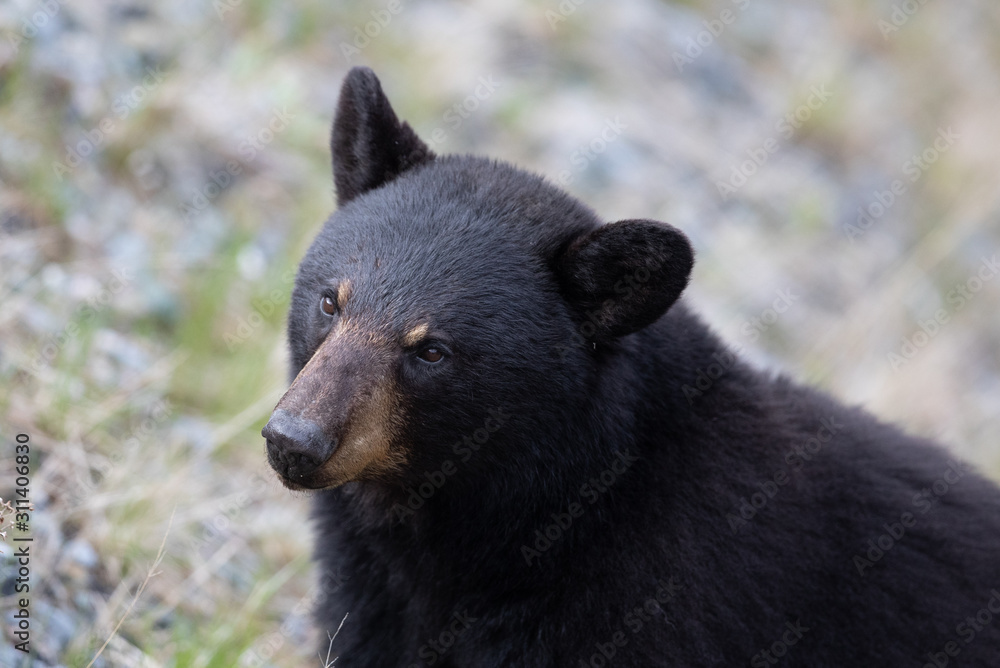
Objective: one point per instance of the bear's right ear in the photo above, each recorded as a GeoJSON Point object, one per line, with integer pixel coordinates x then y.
{"type": "Point", "coordinates": [623, 276]}
{"type": "Point", "coordinates": [370, 146]}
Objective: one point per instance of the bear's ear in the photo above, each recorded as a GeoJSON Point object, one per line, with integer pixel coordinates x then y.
{"type": "Point", "coordinates": [370, 146]}
{"type": "Point", "coordinates": [622, 276]}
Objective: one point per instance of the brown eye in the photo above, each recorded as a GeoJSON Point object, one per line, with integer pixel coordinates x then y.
{"type": "Point", "coordinates": [328, 306]}
{"type": "Point", "coordinates": [431, 355]}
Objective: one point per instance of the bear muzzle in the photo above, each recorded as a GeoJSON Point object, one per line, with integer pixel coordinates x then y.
{"type": "Point", "coordinates": [296, 447]}
{"type": "Point", "coordinates": [338, 420]}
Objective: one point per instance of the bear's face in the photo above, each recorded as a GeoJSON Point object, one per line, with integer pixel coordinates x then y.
{"type": "Point", "coordinates": [403, 311]}
{"type": "Point", "coordinates": [444, 291]}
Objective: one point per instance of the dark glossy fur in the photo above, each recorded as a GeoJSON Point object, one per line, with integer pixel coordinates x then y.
{"type": "Point", "coordinates": [496, 257]}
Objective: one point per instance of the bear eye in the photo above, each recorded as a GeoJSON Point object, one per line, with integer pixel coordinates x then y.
{"type": "Point", "coordinates": [328, 306]}
{"type": "Point", "coordinates": [431, 354]}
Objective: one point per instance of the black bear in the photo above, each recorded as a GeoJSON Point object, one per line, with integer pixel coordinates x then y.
{"type": "Point", "coordinates": [531, 453]}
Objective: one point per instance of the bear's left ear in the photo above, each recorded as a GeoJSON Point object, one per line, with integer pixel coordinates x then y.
{"type": "Point", "coordinates": [370, 146]}
{"type": "Point", "coordinates": [624, 276]}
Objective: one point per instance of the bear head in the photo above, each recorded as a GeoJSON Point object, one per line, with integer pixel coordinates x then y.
{"type": "Point", "coordinates": [446, 291]}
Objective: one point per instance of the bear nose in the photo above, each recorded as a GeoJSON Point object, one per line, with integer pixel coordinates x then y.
{"type": "Point", "coordinates": [296, 447]}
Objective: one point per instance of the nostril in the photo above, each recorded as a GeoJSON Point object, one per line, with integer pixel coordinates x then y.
{"type": "Point", "coordinates": [295, 446]}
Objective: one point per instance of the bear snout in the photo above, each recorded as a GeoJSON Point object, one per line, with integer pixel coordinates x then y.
{"type": "Point", "coordinates": [296, 447]}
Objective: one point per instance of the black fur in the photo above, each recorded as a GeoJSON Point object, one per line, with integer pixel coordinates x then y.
{"type": "Point", "coordinates": [623, 276]}
{"type": "Point", "coordinates": [511, 271]}
{"type": "Point", "coordinates": [369, 145]}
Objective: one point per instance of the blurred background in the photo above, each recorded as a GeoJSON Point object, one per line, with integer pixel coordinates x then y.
{"type": "Point", "coordinates": [164, 166]}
